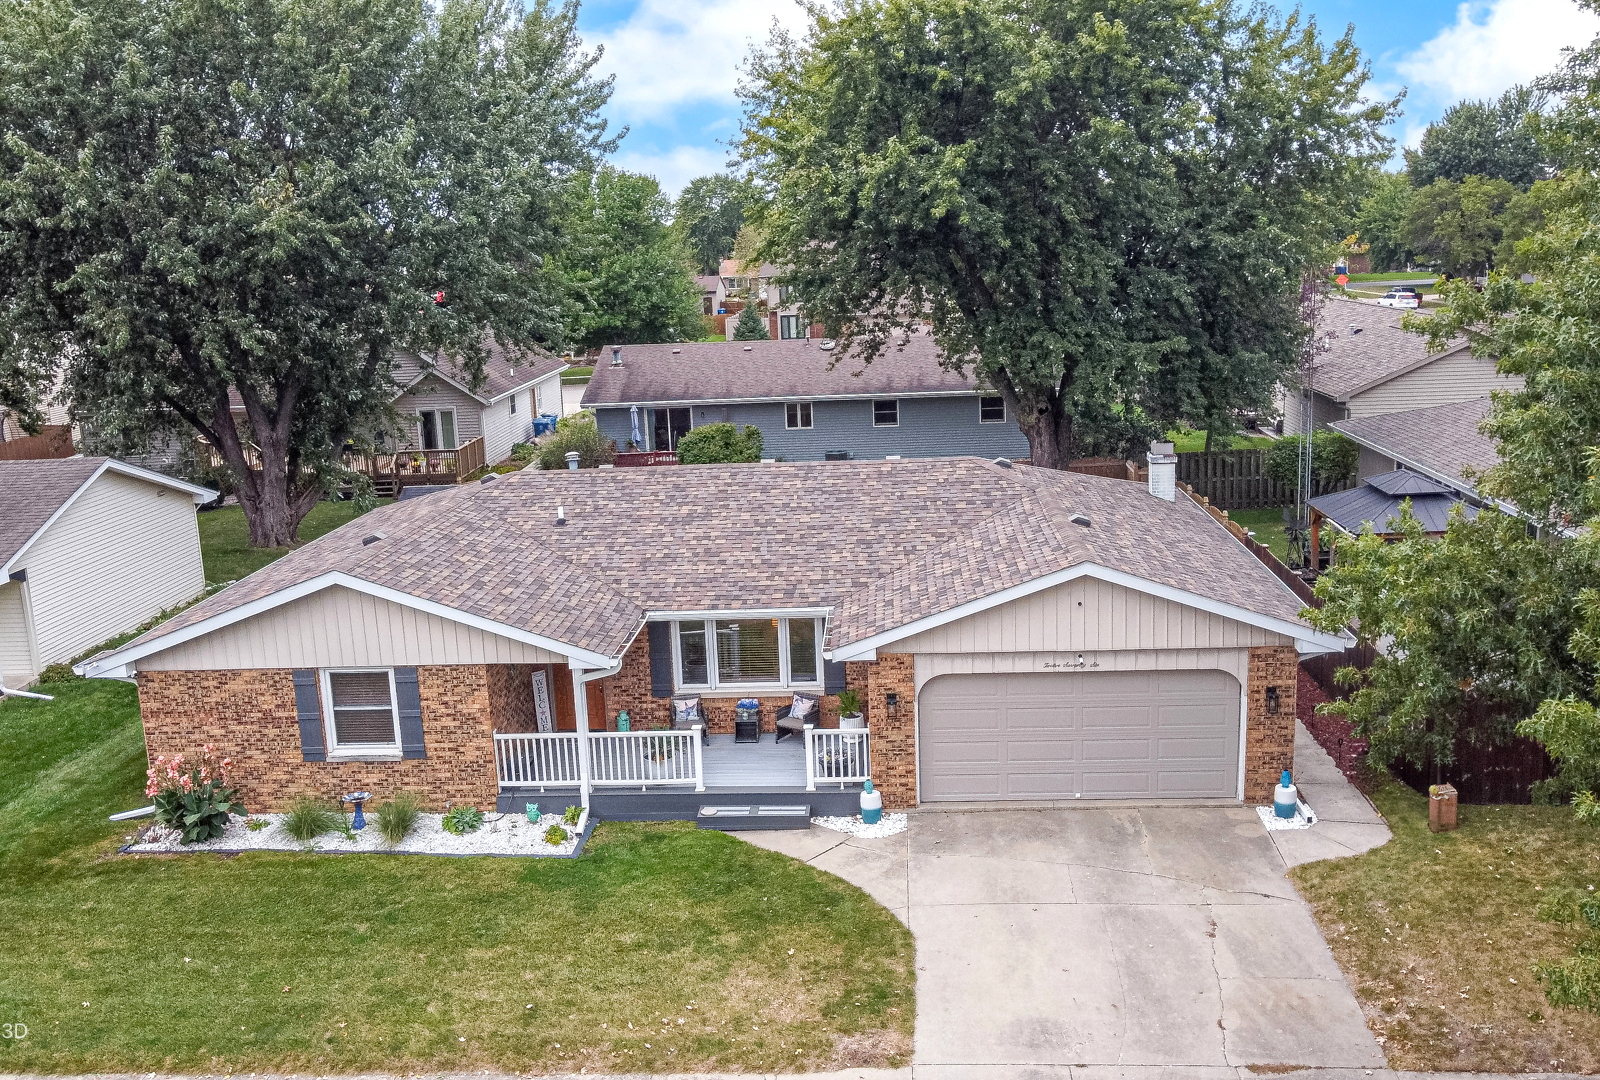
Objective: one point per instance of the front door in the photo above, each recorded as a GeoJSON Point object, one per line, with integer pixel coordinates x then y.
{"type": "Point", "coordinates": [667, 427]}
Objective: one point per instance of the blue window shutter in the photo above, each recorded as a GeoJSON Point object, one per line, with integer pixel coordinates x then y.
{"type": "Point", "coordinates": [308, 708]}
{"type": "Point", "coordinates": [660, 658]}
{"type": "Point", "coordinates": [409, 699]}
{"type": "Point", "coordinates": [832, 676]}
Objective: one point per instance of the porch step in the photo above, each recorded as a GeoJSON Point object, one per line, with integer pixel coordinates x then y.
{"type": "Point", "coordinates": [735, 818]}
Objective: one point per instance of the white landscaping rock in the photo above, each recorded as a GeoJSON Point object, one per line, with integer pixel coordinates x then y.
{"type": "Point", "coordinates": [500, 834]}
{"type": "Point", "coordinates": [888, 825]}
{"type": "Point", "coordinates": [1304, 818]}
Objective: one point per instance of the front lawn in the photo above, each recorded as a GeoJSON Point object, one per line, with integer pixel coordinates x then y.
{"type": "Point", "coordinates": [1438, 934]}
{"type": "Point", "coordinates": [225, 539]}
{"type": "Point", "coordinates": [662, 949]}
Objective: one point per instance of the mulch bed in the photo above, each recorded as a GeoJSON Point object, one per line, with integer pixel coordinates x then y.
{"type": "Point", "coordinates": [1332, 733]}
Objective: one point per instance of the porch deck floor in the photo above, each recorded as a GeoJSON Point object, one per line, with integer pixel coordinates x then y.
{"type": "Point", "coordinates": [765, 764]}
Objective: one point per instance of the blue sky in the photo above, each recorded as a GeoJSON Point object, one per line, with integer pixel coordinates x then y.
{"type": "Point", "coordinates": [676, 62]}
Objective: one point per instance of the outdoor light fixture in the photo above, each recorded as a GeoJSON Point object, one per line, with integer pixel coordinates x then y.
{"type": "Point", "coordinates": [891, 704]}
{"type": "Point", "coordinates": [1273, 704]}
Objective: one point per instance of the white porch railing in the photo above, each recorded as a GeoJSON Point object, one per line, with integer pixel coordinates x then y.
{"type": "Point", "coordinates": [646, 758]}
{"type": "Point", "coordinates": [537, 759]}
{"type": "Point", "coordinates": [836, 756]}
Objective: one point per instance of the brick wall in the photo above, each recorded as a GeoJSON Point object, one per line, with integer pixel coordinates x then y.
{"type": "Point", "coordinates": [1269, 739]}
{"type": "Point", "coordinates": [511, 706]}
{"type": "Point", "coordinates": [894, 745]}
{"type": "Point", "coordinates": [630, 689]}
{"type": "Point", "coordinates": [250, 717]}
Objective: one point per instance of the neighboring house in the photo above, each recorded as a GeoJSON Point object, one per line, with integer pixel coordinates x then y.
{"type": "Point", "coordinates": [784, 318]}
{"type": "Point", "coordinates": [1014, 634]}
{"type": "Point", "coordinates": [712, 293]}
{"type": "Point", "coordinates": [1370, 366]}
{"type": "Point", "coordinates": [809, 401]}
{"type": "Point", "coordinates": [440, 412]}
{"type": "Point", "coordinates": [1442, 443]}
{"type": "Point", "coordinates": [89, 549]}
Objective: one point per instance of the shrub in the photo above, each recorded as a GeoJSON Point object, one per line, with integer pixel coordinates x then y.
{"type": "Point", "coordinates": [1333, 459]}
{"type": "Point", "coordinates": [193, 797]}
{"type": "Point", "coordinates": [580, 433]}
{"type": "Point", "coordinates": [1575, 980]}
{"type": "Point", "coordinates": [523, 453]}
{"type": "Point", "coordinates": [462, 820]}
{"type": "Point", "coordinates": [555, 834]}
{"type": "Point", "coordinates": [572, 815]}
{"type": "Point", "coordinates": [256, 824]}
{"type": "Point", "coordinates": [57, 673]}
{"type": "Point", "coordinates": [719, 443]}
{"type": "Point", "coordinates": [751, 326]}
{"type": "Point", "coordinates": [309, 818]}
{"type": "Point", "coordinates": [396, 817]}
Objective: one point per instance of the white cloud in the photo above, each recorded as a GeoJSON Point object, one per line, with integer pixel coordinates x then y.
{"type": "Point", "coordinates": [1495, 44]}
{"type": "Point", "coordinates": [674, 167]}
{"type": "Point", "coordinates": [669, 53]}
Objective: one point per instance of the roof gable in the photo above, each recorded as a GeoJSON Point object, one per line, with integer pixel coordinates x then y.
{"type": "Point", "coordinates": [1364, 346]}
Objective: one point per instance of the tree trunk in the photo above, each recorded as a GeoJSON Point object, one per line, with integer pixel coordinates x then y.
{"type": "Point", "coordinates": [1048, 430]}
{"type": "Point", "coordinates": [273, 502]}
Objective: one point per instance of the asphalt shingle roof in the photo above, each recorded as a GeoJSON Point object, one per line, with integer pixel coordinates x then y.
{"type": "Point", "coordinates": [30, 491]}
{"type": "Point", "coordinates": [763, 370]}
{"type": "Point", "coordinates": [1444, 439]}
{"type": "Point", "coordinates": [881, 543]}
{"type": "Point", "coordinates": [1377, 352]}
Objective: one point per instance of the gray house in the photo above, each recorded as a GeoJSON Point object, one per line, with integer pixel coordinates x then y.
{"type": "Point", "coordinates": [810, 401]}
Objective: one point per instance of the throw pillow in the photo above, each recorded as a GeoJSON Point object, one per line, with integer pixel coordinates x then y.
{"type": "Point", "coordinates": [686, 710]}
{"type": "Point", "coordinates": [803, 708]}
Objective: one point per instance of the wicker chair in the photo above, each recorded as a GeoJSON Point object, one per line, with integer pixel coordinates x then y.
{"type": "Point", "coordinates": [788, 725]}
{"type": "Point", "coordinates": [700, 718]}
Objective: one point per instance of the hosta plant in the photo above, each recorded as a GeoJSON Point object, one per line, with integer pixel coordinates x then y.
{"type": "Point", "coordinates": [194, 796]}
{"type": "Point", "coordinates": [462, 820]}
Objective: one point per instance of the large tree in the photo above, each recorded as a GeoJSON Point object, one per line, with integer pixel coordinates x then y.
{"type": "Point", "coordinates": [1457, 226]}
{"type": "Point", "coordinates": [628, 275]}
{"type": "Point", "coordinates": [1384, 220]}
{"type": "Point", "coordinates": [1482, 138]}
{"type": "Point", "coordinates": [709, 212]}
{"type": "Point", "coordinates": [1101, 207]}
{"type": "Point", "coordinates": [268, 197]}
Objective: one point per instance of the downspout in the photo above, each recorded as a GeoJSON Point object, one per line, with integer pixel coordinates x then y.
{"type": "Point", "coordinates": [580, 701]}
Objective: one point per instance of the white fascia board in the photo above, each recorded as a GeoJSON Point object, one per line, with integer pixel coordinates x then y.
{"type": "Point", "coordinates": [531, 382]}
{"type": "Point", "coordinates": [123, 659]}
{"type": "Point", "coordinates": [768, 400]}
{"type": "Point", "coordinates": [735, 613]}
{"type": "Point", "coordinates": [1299, 631]}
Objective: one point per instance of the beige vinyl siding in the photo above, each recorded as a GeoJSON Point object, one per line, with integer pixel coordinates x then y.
{"type": "Point", "coordinates": [1457, 376]}
{"type": "Point", "coordinates": [16, 653]}
{"type": "Point", "coordinates": [1235, 662]}
{"type": "Point", "coordinates": [1088, 614]}
{"type": "Point", "coordinates": [1373, 463]}
{"type": "Point", "coordinates": [1326, 411]}
{"type": "Point", "coordinates": [340, 627]}
{"type": "Point", "coordinates": [124, 551]}
{"type": "Point", "coordinates": [434, 393]}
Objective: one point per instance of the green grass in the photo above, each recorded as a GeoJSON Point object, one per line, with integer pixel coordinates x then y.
{"type": "Point", "coordinates": [1437, 934]}
{"type": "Point", "coordinates": [291, 962]}
{"type": "Point", "coordinates": [225, 539]}
{"type": "Point", "coordinates": [1393, 275]}
{"type": "Point", "coordinates": [575, 375]}
{"type": "Point", "coordinates": [1268, 527]}
{"type": "Point", "coordinates": [1185, 441]}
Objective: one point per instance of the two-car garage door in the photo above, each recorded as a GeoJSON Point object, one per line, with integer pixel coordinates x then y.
{"type": "Point", "coordinates": [1049, 735]}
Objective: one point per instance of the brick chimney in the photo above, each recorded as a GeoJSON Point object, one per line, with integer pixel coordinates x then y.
{"type": "Point", "coordinates": [1163, 471]}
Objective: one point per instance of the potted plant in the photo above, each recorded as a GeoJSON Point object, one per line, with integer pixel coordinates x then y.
{"type": "Point", "coordinates": [850, 710]}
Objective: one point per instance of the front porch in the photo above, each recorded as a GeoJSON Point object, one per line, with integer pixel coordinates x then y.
{"type": "Point", "coordinates": [670, 775]}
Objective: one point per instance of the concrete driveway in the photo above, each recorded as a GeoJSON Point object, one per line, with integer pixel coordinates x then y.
{"type": "Point", "coordinates": [1114, 936]}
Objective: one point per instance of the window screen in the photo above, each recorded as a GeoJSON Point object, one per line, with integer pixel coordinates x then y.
{"type": "Point", "coordinates": [363, 711]}
{"type": "Point", "coordinates": [802, 650]}
{"type": "Point", "coordinates": [885, 413]}
{"type": "Point", "coordinates": [991, 410]}
{"type": "Point", "coordinates": [692, 653]}
{"type": "Point", "coordinates": [747, 651]}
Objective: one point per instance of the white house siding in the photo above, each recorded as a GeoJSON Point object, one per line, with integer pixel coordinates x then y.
{"type": "Point", "coordinates": [503, 429]}
{"type": "Point", "coordinates": [547, 396]}
{"type": "Point", "coordinates": [124, 551]}
{"type": "Point", "coordinates": [340, 627]}
{"type": "Point", "coordinates": [17, 668]}
{"type": "Point", "coordinates": [1089, 615]}
{"type": "Point", "coordinates": [435, 393]}
{"type": "Point", "coordinates": [1459, 376]}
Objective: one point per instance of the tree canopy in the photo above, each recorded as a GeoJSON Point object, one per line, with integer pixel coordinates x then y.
{"type": "Point", "coordinates": [1384, 220]}
{"type": "Point", "coordinates": [628, 275]}
{"type": "Point", "coordinates": [270, 197]}
{"type": "Point", "coordinates": [1106, 210]}
{"type": "Point", "coordinates": [1457, 226]}
{"type": "Point", "coordinates": [1493, 139]}
{"type": "Point", "coordinates": [709, 212]}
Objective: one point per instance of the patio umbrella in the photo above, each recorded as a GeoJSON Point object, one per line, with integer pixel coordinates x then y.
{"type": "Point", "coordinates": [633, 414]}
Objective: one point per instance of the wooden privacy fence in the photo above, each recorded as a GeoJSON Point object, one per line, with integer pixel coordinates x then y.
{"type": "Point", "coordinates": [53, 441]}
{"type": "Point", "coordinates": [1237, 479]}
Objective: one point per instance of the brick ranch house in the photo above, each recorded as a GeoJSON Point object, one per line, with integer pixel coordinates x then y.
{"type": "Point", "coordinates": [1014, 634]}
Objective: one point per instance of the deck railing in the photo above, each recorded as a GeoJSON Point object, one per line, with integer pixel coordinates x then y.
{"type": "Point", "coordinates": [631, 459]}
{"type": "Point", "coordinates": [646, 758]}
{"type": "Point", "coordinates": [537, 759]}
{"type": "Point", "coordinates": [444, 466]}
{"type": "Point", "coordinates": [836, 756]}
